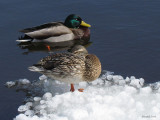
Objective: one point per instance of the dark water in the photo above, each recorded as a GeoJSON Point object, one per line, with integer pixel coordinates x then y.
{"type": "Point", "coordinates": [125, 36]}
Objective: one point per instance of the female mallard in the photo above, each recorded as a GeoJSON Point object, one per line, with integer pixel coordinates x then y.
{"type": "Point", "coordinates": [71, 68]}
{"type": "Point", "coordinates": [72, 28]}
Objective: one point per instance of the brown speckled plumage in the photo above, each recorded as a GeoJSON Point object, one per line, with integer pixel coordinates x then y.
{"type": "Point", "coordinates": [92, 68]}
{"type": "Point", "coordinates": [72, 67]}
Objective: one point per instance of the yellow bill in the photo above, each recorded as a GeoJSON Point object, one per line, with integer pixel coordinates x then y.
{"type": "Point", "coordinates": [85, 24]}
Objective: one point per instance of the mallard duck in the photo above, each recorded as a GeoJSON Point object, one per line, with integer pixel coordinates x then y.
{"type": "Point", "coordinates": [72, 68]}
{"type": "Point", "coordinates": [72, 28]}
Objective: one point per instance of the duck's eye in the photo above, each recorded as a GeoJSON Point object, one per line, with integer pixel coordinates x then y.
{"type": "Point", "coordinates": [76, 19]}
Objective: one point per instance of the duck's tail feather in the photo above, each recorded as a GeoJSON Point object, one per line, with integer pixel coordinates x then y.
{"type": "Point", "coordinates": [36, 68]}
{"type": "Point", "coordinates": [24, 38]}
{"type": "Point", "coordinates": [28, 40]}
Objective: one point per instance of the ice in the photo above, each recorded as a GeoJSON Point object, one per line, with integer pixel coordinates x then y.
{"type": "Point", "coordinates": [110, 77]}
{"type": "Point", "coordinates": [37, 98]}
{"type": "Point", "coordinates": [19, 82]}
{"type": "Point", "coordinates": [29, 104]}
{"type": "Point", "coordinates": [42, 77]}
{"type": "Point", "coordinates": [23, 108]}
{"type": "Point", "coordinates": [146, 90]}
{"type": "Point", "coordinates": [10, 84]}
{"type": "Point", "coordinates": [24, 81]}
{"type": "Point", "coordinates": [47, 96]}
{"type": "Point", "coordinates": [137, 82]}
{"type": "Point", "coordinates": [83, 84]}
{"type": "Point", "coordinates": [29, 113]}
{"type": "Point", "coordinates": [110, 97]}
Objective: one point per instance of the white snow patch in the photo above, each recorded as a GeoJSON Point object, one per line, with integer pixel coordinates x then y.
{"type": "Point", "coordinates": [110, 97]}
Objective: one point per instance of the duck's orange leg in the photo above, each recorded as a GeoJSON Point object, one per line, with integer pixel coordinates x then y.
{"type": "Point", "coordinates": [72, 88]}
{"type": "Point", "coordinates": [80, 90]}
{"type": "Point", "coordinates": [48, 47]}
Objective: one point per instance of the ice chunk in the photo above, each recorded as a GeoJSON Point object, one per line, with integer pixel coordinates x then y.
{"type": "Point", "coordinates": [10, 84]}
{"type": "Point", "coordinates": [29, 104]}
{"type": "Point", "coordinates": [24, 81]}
{"type": "Point", "coordinates": [29, 113]}
{"type": "Point", "coordinates": [110, 77]}
{"type": "Point", "coordinates": [127, 79]}
{"type": "Point", "coordinates": [23, 108]}
{"type": "Point", "coordinates": [136, 82]}
{"type": "Point", "coordinates": [42, 77]}
{"type": "Point", "coordinates": [37, 98]}
{"type": "Point", "coordinates": [47, 96]}
{"type": "Point", "coordinates": [122, 82]}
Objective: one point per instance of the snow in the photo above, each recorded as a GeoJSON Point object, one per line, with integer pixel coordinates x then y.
{"type": "Point", "coordinates": [110, 97]}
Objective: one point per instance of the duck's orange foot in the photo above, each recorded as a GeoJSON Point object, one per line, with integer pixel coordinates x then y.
{"type": "Point", "coordinates": [72, 88]}
{"type": "Point", "coordinates": [48, 47]}
{"type": "Point", "coordinates": [80, 90]}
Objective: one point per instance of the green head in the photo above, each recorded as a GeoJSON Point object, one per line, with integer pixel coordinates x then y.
{"type": "Point", "coordinates": [74, 21]}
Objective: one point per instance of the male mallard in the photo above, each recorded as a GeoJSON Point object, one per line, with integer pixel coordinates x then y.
{"type": "Point", "coordinates": [72, 28]}
{"type": "Point", "coordinates": [71, 68]}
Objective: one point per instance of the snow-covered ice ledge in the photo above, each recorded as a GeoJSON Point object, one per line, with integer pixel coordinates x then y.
{"type": "Point", "coordinates": [111, 97]}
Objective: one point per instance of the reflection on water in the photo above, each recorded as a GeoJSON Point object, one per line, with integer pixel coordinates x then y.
{"type": "Point", "coordinates": [57, 46]}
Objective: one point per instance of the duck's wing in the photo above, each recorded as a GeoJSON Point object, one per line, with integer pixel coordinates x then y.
{"type": "Point", "coordinates": [60, 64]}
{"type": "Point", "coordinates": [47, 30]}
